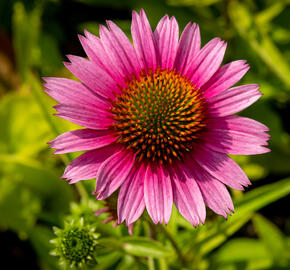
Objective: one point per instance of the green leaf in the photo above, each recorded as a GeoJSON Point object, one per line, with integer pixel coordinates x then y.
{"type": "Point", "coordinates": [259, 40]}
{"type": "Point", "coordinates": [241, 249]}
{"type": "Point", "coordinates": [108, 261]}
{"type": "Point", "coordinates": [262, 196]}
{"type": "Point", "coordinates": [273, 239]}
{"type": "Point", "coordinates": [18, 206]}
{"type": "Point", "coordinates": [210, 238]}
{"type": "Point", "coordinates": [50, 54]}
{"type": "Point", "coordinates": [139, 246]}
{"type": "Point", "coordinates": [40, 180]}
{"type": "Point", "coordinates": [130, 263]}
{"type": "Point", "coordinates": [19, 117]}
{"type": "Point", "coordinates": [271, 12]}
{"type": "Point", "coordinates": [26, 28]}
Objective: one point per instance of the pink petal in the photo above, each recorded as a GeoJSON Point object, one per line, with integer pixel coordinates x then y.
{"type": "Point", "coordinates": [130, 228]}
{"type": "Point", "coordinates": [131, 197]}
{"type": "Point", "coordinates": [206, 62]}
{"type": "Point", "coordinates": [85, 116]}
{"type": "Point", "coordinates": [187, 196]}
{"type": "Point", "coordinates": [92, 76]}
{"type": "Point", "coordinates": [72, 92]}
{"type": "Point", "coordinates": [220, 166]}
{"type": "Point", "coordinates": [189, 46]}
{"type": "Point", "coordinates": [101, 211]}
{"type": "Point", "coordinates": [86, 165]}
{"type": "Point", "coordinates": [241, 124]}
{"type": "Point", "coordinates": [166, 36]}
{"type": "Point", "coordinates": [97, 54]}
{"type": "Point", "coordinates": [81, 140]}
{"type": "Point", "coordinates": [158, 194]}
{"type": "Point", "coordinates": [225, 77]}
{"type": "Point", "coordinates": [215, 194]}
{"type": "Point", "coordinates": [143, 40]}
{"type": "Point", "coordinates": [233, 100]}
{"type": "Point", "coordinates": [112, 173]}
{"type": "Point", "coordinates": [226, 136]}
{"type": "Point", "coordinates": [120, 49]}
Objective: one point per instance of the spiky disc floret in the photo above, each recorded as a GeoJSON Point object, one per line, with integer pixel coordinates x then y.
{"type": "Point", "coordinates": [159, 115]}
{"type": "Point", "coordinates": [76, 244]}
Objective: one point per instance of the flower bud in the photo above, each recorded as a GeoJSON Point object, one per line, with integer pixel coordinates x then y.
{"type": "Point", "coordinates": [76, 244]}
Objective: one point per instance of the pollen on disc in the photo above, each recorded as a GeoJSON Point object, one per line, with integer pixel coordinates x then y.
{"type": "Point", "coordinates": [159, 116]}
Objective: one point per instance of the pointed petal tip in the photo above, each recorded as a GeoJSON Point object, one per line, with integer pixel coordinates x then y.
{"type": "Point", "coordinates": [224, 214]}
{"type": "Point", "coordinates": [67, 64]}
{"type": "Point", "coordinates": [202, 221]}
{"type": "Point", "coordinates": [86, 32]}
{"type": "Point", "coordinates": [50, 143]}
{"type": "Point", "coordinates": [115, 224]}
{"type": "Point", "coordinates": [266, 150]}
{"type": "Point", "coordinates": [81, 37]}
{"type": "Point", "coordinates": [242, 187]}
{"type": "Point", "coordinates": [109, 219]}
{"type": "Point", "coordinates": [102, 29]}
{"type": "Point", "coordinates": [130, 228]}
{"type": "Point", "coordinates": [69, 56]}
{"type": "Point", "coordinates": [172, 19]}
{"type": "Point", "coordinates": [45, 79]}
{"type": "Point", "coordinates": [101, 197]}
{"type": "Point", "coordinates": [100, 211]}
{"type": "Point", "coordinates": [134, 13]}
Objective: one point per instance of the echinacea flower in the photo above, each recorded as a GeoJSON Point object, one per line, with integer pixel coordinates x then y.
{"type": "Point", "coordinates": [158, 118]}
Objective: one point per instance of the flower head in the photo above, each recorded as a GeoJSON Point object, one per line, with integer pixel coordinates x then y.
{"type": "Point", "coordinates": [158, 118]}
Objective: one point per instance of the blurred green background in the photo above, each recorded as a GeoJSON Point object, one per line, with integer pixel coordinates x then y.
{"type": "Point", "coordinates": [35, 36]}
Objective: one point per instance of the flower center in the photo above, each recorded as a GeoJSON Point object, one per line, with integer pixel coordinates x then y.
{"type": "Point", "coordinates": [159, 116]}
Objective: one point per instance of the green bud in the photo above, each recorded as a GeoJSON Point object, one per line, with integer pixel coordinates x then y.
{"type": "Point", "coordinates": [76, 244]}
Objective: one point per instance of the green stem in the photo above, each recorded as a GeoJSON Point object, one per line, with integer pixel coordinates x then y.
{"type": "Point", "coordinates": [174, 244]}
{"type": "Point", "coordinates": [35, 86]}
{"type": "Point", "coordinates": [151, 265]}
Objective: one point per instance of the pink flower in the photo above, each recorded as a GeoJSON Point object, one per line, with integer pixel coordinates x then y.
{"type": "Point", "coordinates": [158, 118]}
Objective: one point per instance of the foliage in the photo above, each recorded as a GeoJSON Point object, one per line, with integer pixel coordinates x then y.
{"type": "Point", "coordinates": [33, 37]}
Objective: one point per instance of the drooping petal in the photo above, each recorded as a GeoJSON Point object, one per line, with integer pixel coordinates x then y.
{"type": "Point", "coordinates": [73, 92]}
{"type": "Point", "coordinates": [206, 62]}
{"type": "Point", "coordinates": [120, 49]}
{"type": "Point", "coordinates": [215, 194]}
{"type": "Point", "coordinates": [158, 194]}
{"type": "Point", "coordinates": [97, 54]}
{"type": "Point", "coordinates": [81, 140]}
{"type": "Point", "coordinates": [233, 100]}
{"type": "Point", "coordinates": [220, 166]}
{"type": "Point", "coordinates": [144, 41]}
{"type": "Point", "coordinates": [189, 46]}
{"type": "Point", "coordinates": [225, 77]}
{"type": "Point", "coordinates": [131, 196]}
{"type": "Point", "coordinates": [187, 196]}
{"type": "Point", "coordinates": [112, 173]}
{"type": "Point", "coordinates": [84, 116]}
{"type": "Point", "coordinates": [86, 165]}
{"type": "Point", "coordinates": [92, 76]}
{"type": "Point", "coordinates": [166, 36]}
{"type": "Point", "coordinates": [226, 135]}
